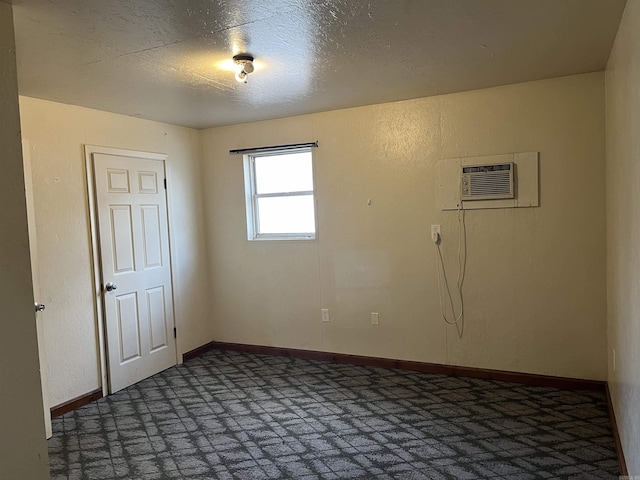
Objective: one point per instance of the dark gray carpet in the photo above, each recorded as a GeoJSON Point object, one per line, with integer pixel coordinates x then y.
{"type": "Point", "coordinates": [236, 416]}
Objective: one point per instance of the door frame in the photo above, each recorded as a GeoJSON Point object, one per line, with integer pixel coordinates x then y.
{"type": "Point", "coordinates": [89, 150]}
{"type": "Point", "coordinates": [35, 276]}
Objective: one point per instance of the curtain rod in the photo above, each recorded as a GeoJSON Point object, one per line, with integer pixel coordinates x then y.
{"type": "Point", "coordinates": [273, 148]}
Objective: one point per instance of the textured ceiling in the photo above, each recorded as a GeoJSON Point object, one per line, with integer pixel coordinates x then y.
{"type": "Point", "coordinates": [165, 59]}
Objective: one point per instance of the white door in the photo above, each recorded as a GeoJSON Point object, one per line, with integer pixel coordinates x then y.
{"type": "Point", "coordinates": [136, 271]}
{"type": "Point", "coordinates": [33, 242]}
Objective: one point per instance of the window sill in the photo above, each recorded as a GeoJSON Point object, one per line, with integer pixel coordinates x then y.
{"type": "Point", "coordinates": [281, 239]}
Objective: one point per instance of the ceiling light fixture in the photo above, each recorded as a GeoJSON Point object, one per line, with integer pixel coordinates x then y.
{"type": "Point", "coordinates": [245, 66]}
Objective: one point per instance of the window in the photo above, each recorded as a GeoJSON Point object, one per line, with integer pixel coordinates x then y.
{"type": "Point", "coordinates": [279, 193]}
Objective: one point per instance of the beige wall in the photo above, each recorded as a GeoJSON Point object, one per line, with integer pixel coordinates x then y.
{"type": "Point", "coordinates": [535, 288]}
{"type": "Point", "coordinates": [623, 230]}
{"type": "Point", "coordinates": [535, 285]}
{"type": "Point", "coordinates": [55, 135]}
{"type": "Point", "coordinates": [23, 450]}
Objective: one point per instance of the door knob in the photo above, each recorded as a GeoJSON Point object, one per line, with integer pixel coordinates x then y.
{"type": "Point", "coordinates": [40, 307]}
{"type": "Point", "coordinates": [110, 287]}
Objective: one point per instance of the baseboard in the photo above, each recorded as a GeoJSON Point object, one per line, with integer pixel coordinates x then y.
{"type": "Point", "coordinates": [435, 368]}
{"type": "Point", "coordinates": [77, 402]}
{"type": "Point", "coordinates": [196, 352]}
{"type": "Point", "coordinates": [624, 472]}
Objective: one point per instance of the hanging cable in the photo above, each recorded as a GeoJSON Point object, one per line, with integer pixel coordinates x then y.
{"type": "Point", "coordinates": [462, 260]}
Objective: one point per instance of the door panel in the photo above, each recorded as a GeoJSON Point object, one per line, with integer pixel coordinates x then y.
{"type": "Point", "coordinates": [134, 250]}
{"type": "Point", "coordinates": [129, 327]}
{"type": "Point", "coordinates": [151, 234]}
{"type": "Point", "coordinates": [122, 238]}
{"type": "Point", "coordinates": [148, 182]}
{"type": "Point", "coordinates": [118, 181]}
{"type": "Point", "coordinates": [157, 318]}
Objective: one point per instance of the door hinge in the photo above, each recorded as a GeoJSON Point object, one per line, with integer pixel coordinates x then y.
{"type": "Point", "coordinates": [165, 183]}
{"type": "Point", "coordinates": [175, 332]}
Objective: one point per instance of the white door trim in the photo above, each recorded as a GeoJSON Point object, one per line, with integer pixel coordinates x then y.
{"type": "Point", "coordinates": [35, 275]}
{"type": "Point", "coordinates": [89, 150]}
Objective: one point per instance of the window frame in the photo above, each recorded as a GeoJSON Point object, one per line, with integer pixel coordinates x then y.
{"type": "Point", "coordinates": [252, 197]}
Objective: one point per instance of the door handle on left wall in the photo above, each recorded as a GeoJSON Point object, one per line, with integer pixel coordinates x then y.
{"type": "Point", "coordinates": [40, 307]}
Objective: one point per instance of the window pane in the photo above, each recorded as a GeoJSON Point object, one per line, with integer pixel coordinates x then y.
{"type": "Point", "coordinates": [286, 214]}
{"type": "Point", "coordinates": [284, 173]}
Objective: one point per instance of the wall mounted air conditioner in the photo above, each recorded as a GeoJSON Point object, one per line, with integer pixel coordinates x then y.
{"type": "Point", "coordinates": [487, 181]}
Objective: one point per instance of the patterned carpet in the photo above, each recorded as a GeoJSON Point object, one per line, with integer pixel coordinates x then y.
{"type": "Point", "coordinates": [236, 416]}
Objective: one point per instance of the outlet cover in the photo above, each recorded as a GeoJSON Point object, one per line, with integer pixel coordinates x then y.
{"type": "Point", "coordinates": [375, 319]}
{"type": "Point", "coordinates": [325, 315]}
{"type": "Point", "coordinates": [435, 233]}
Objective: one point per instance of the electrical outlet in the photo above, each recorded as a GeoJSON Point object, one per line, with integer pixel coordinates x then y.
{"type": "Point", "coordinates": [375, 319]}
{"type": "Point", "coordinates": [325, 315]}
{"type": "Point", "coordinates": [435, 233]}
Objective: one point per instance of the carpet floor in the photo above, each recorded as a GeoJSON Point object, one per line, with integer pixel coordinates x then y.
{"type": "Point", "coordinates": [229, 415]}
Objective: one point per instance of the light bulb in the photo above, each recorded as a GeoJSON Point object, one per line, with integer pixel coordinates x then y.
{"type": "Point", "coordinates": [244, 64]}
{"type": "Point", "coordinates": [241, 76]}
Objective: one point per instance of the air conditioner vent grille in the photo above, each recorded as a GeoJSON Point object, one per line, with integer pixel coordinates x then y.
{"type": "Point", "coordinates": [487, 182]}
